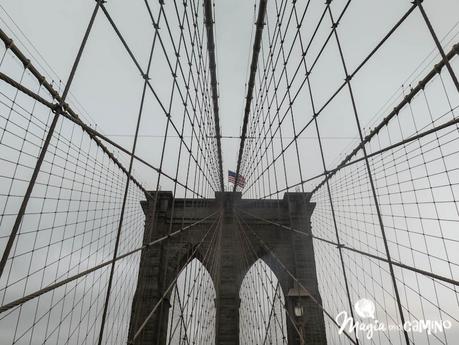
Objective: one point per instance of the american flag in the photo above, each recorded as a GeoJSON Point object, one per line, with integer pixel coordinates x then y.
{"type": "Point", "coordinates": [232, 179]}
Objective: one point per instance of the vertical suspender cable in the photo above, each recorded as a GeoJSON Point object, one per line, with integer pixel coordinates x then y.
{"type": "Point", "coordinates": [251, 84]}
{"type": "Point", "coordinates": [209, 22]}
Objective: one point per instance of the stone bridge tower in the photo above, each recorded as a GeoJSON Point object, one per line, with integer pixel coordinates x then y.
{"type": "Point", "coordinates": [160, 264]}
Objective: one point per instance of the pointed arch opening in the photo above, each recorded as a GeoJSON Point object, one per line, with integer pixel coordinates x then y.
{"type": "Point", "coordinates": [192, 312]}
{"type": "Point", "coordinates": [262, 317]}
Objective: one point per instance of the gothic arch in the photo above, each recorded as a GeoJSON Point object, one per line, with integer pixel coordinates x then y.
{"type": "Point", "coordinates": [192, 296]}
{"type": "Point", "coordinates": [284, 252]}
{"type": "Point", "coordinates": [262, 315]}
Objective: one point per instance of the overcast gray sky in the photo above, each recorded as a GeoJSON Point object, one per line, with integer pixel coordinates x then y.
{"type": "Point", "coordinates": [108, 87]}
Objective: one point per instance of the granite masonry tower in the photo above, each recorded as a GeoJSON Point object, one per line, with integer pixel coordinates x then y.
{"type": "Point", "coordinates": [160, 263]}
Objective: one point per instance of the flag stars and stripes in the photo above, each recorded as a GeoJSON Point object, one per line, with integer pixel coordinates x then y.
{"type": "Point", "coordinates": [232, 179]}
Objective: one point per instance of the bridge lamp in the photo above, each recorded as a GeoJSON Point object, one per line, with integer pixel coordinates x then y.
{"type": "Point", "coordinates": [298, 310]}
{"type": "Point", "coordinates": [298, 295]}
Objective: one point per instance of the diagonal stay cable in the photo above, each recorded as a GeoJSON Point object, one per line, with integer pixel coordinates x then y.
{"type": "Point", "coordinates": [126, 191]}
{"type": "Point", "coordinates": [66, 110]}
{"type": "Point", "coordinates": [150, 86]}
{"type": "Point", "coordinates": [340, 88]}
{"type": "Point", "coordinates": [51, 287]}
{"type": "Point", "coordinates": [406, 100]}
{"type": "Point", "coordinates": [213, 80]}
{"type": "Point", "coordinates": [413, 138]}
{"type": "Point", "coordinates": [216, 223]}
{"type": "Point", "coordinates": [188, 291]}
{"type": "Point", "coordinates": [251, 84]}
{"type": "Point", "coordinates": [95, 135]}
{"type": "Point", "coordinates": [343, 246]}
{"type": "Point", "coordinates": [57, 111]}
{"type": "Point", "coordinates": [300, 285]}
{"type": "Point", "coordinates": [347, 160]}
{"type": "Point", "coordinates": [245, 239]}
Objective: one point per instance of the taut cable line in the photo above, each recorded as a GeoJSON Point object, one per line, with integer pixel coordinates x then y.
{"type": "Point", "coordinates": [209, 21]}
{"type": "Point", "coordinates": [251, 84]}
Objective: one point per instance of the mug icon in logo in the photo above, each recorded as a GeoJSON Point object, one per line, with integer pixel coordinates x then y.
{"type": "Point", "coordinates": [365, 308]}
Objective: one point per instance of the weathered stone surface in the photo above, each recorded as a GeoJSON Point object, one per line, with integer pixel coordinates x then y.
{"type": "Point", "coordinates": [160, 264]}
